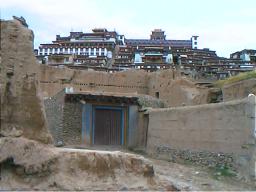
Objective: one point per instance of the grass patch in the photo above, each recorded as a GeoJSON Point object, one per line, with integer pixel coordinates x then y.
{"type": "Point", "coordinates": [188, 162]}
{"type": "Point", "coordinates": [223, 171]}
{"type": "Point", "coordinates": [237, 78]}
{"type": "Point", "coordinates": [137, 151]}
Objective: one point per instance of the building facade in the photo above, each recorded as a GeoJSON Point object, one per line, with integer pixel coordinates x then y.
{"type": "Point", "coordinates": [156, 52]}
{"type": "Point", "coordinates": [103, 48]}
{"type": "Point", "coordinates": [90, 48]}
{"type": "Point", "coordinates": [108, 51]}
{"type": "Point", "coordinates": [247, 55]}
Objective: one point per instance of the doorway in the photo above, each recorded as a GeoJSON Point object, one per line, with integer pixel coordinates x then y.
{"type": "Point", "coordinates": [108, 125]}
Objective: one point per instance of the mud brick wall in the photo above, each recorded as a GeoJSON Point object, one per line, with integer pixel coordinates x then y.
{"type": "Point", "coordinates": [22, 109]}
{"type": "Point", "coordinates": [167, 84]}
{"type": "Point", "coordinates": [213, 134]}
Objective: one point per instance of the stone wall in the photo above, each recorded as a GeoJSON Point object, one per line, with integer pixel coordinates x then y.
{"type": "Point", "coordinates": [211, 134]}
{"type": "Point", "coordinates": [239, 89]}
{"type": "Point", "coordinates": [201, 157]}
{"type": "Point", "coordinates": [72, 124]}
{"type": "Point", "coordinates": [54, 113]}
{"type": "Point", "coordinates": [64, 120]}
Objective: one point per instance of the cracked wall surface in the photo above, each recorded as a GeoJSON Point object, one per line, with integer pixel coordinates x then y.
{"type": "Point", "coordinates": [167, 84]}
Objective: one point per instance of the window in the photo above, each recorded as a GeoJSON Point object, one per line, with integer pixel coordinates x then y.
{"type": "Point", "coordinates": [157, 94]}
{"type": "Point", "coordinates": [66, 60]}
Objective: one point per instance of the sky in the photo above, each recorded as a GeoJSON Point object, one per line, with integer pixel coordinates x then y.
{"type": "Point", "coordinates": [225, 26]}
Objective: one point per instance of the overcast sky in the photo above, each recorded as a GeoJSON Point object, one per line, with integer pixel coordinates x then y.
{"type": "Point", "coordinates": [222, 25]}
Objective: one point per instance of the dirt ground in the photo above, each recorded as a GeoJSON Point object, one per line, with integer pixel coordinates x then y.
{"type": "Point", "coordinates": [188, 177]}
{"type": "Point", "coordinates": [29, 165]}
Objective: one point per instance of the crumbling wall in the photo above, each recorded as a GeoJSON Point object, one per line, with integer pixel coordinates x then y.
{"type": "Point", "coordinates": [54, 80]}
{"type": "Point", "coordinates": [22, 112]}
{"type": "Point", "coordinates": [220, 134]}
{"type": "Point", "coordinates": [170, 86]}
{"type": "Point", "coordinates": [239, 89]}
{"type": "Point", "coordinates": [175, 90]}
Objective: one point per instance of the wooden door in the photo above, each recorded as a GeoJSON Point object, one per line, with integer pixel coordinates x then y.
{"type": "Point", "coordinates": [107, 126]}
